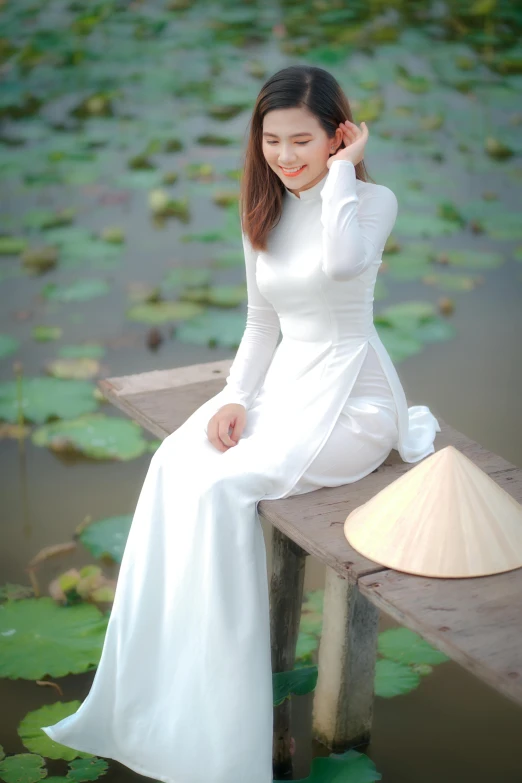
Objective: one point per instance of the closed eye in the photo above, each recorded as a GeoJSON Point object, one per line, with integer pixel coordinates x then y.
{"type": "Point", "coordinates": [297, 142]}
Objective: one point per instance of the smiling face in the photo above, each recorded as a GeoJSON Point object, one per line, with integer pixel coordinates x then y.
{"type": "Point", "coordinates": [294, 139]}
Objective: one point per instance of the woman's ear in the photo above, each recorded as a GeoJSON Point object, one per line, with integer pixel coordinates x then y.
{"type": "Point", "coordinates": [336, 141]}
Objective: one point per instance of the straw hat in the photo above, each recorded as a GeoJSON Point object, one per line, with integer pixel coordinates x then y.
{"type": "Point", "coordinates": [443, 518]}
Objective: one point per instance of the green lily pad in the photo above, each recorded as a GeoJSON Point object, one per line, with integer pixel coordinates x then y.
{"type": "Point", "coordinates": [44, 334]}
{"type": "Point", "coordinates": [94, 435]}
{"type": "Point", "coordinates": [185, 276]}
{"type": "Point", "coordinates": [163, 311]}
{"type": "Point", "coordinates": [418, 224]}
{"type": "Point", "coordinates": [79, 291]}
{"type": "Point", "coordinates": [46, 398]}
{"type": "Point", "coordinates": [31, 734]}
{"type": "Point", "coordinates": [213, 328]}
{"type": "Point", "coordinates": [407, 315]}
{"type": "Point", "coordinates": [79, 246]}
{"type": "Point", "coordinates": [217, 295]}
{"type": "Point", "coordinates": [394, 679]}
{"type": "Point", "coordinates": [351, 766]}
{"type": "Point", "coordinates": [296, 681]}
{"type": "Point", "coordinates": [83, 770]}
{"type": "Point", "coordinates": [37, 260]}
{"type": "Point", "coordinates": [12, 246]}
{"type": "Point", "coordinates": [107, 537]}
{"type": "Point", "coordinates": [405, 646]}
{"type": "Point", "coordinates": [408, 264]}
{"type": "Point", "coordinates": [22, 768]}
{"type": "Point", "coordinates": [229, 259]}
{"type": "Point", "coordinates": [41, 638]}
{"type": "Point", "coordinates": [83, 351]}
{"type": "Point", "coordinates": [398, 344]}
{"type": "Point", "coordinates": [8, 345]}
{"type": "Point", "coordinates": [44, 219]}
{"type": "Point", "coordinates": [450, 282]}
{"type": "Point", "coordinates": [504, 226]}
{"type": "Point", "coordinates": [475, 259]}
{"type": "Point", "coordinates": [73, 368]}
{"type": "Point", "coordinates": [306, 646]}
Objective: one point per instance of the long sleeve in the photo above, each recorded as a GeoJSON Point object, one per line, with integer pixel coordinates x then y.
{"type": "Point", "coordinates": [354, 230]}
{"type": "Point", "coordinates": [258, 343]}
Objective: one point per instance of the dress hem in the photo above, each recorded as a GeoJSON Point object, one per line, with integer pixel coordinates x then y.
{"type": "Point", "coordinates": [135, 767]}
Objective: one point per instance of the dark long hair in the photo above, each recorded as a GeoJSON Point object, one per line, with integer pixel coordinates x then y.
{"type": "Point", "coordinates": [261, 191]}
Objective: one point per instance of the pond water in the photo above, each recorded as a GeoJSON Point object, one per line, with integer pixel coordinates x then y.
{"type": "Point", "coordinates": [166, 72]}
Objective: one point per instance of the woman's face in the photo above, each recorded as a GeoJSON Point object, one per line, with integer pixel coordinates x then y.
{"type": "Point", "coordinates": [293, 139]}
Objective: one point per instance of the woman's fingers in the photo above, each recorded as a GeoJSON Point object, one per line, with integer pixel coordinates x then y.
{"type": "Point", "coordinates": [223, 427]}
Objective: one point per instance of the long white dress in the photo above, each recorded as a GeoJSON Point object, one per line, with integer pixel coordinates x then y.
{"type": "Point", "coordinates": [183, 690]}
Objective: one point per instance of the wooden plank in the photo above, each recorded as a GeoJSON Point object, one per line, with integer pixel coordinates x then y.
{"type": "Point", "coordinates": [477, 622]}
{"type": "Point", "coordinates": [161, 400]}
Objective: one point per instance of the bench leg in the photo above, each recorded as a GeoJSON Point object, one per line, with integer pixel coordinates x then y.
{"type": "Point", "coordinates": [343, 697]}
{"type": "Point", "coordinates": [286, 598]}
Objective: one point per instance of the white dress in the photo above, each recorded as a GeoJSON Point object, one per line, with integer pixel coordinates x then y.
{"type": "Point", "coordinates": [183, 690]}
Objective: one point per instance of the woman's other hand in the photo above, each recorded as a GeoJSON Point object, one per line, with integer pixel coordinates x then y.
{"type": "Point", "coordinates": [232, 415]}
{"type": "Point", "coordinates": [355, 141]}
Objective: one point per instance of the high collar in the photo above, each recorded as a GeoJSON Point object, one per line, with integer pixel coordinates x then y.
{"type": "Point", "coordinates": [310, 194]}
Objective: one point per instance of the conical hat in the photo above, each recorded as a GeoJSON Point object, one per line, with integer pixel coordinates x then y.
{"type": "Point", "coordinates": [443, 518]}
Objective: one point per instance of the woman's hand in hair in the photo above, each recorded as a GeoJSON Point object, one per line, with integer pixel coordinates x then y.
{"type": "Point", "coordinates": [231, 415]}
{"type": "Point", "coordinates": [354, 140]}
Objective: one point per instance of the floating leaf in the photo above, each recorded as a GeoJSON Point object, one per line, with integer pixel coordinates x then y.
{"type": "Point", "coordinates": [31, 734]}
{"type": "Point", "coordinates": [450, 282]}
{"type": "Point", "coordinates": [394, 679]}
{"type": "Point", "coordinates": [73, 368]}
{"type": "Point", "coordinates": [22, 768]}
{"type": "Point", "coordinates": [405, 646]}
{"type": "Point", "coordinates": [162, 312]}
{"type": "Point", "coordinates": [39, 259]}
{"type": "Point", "coordinates": [213, 328]}
{"type": "Point", "coordinates": [8, 345]}
{"type": "Point", "coordinates": [217, 295]}
{"type": "Point", "coordinates": [351, 766]}
{"type": "Point", "coordinates": [294, 682]}
{"type": "Point", "coordinates": [44, 219]}
{"type": "Point", "coordinates": [83, 351]}
{"type": "Point", "coordinates": [185, 276]}
{"type": "Point", "coordinates": [12, 246]}
{"type": "Point", "coordinates": [87, 769]}
{"type": "Point", "coordinates": [96, 436]}
{"type": "Point", "coordinates": [45, 398]}
{"type": "Point", "coordinates": [475, 259]}
{"type": "Point", "coordinates": [107, 537]}
{"type": "Point", "coordinates": [44, 334]}
{"type": "Point", "coordinates": [41, 638]}
{"type": "Point", "coordinates": [79, 291]}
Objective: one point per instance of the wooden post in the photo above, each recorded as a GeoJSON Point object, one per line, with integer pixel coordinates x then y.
{"type": "Point", "coordinates": [343, 698]}
{"type": "Point", "coordinates": [286, 598]}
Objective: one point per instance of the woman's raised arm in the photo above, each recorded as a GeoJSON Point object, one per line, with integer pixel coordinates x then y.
{"type": "Point", "coordinates": [354, 230]}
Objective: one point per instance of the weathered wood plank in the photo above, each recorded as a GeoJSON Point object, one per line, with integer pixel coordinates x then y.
{"type": "Point", "coordinates": [477, 622]}
{"type": "Point", "coordinates": [161, 400]}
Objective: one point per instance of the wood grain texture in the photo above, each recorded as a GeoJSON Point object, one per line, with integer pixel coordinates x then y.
{"type": "Point", "coordinates": [476, 621]}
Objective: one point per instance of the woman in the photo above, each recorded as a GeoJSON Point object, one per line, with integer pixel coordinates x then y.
{"type": "Point", "coordinates": [183, 690]}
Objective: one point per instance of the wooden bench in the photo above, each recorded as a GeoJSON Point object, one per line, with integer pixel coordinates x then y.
{"type": "Point", "coordinates": [475, 621]}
